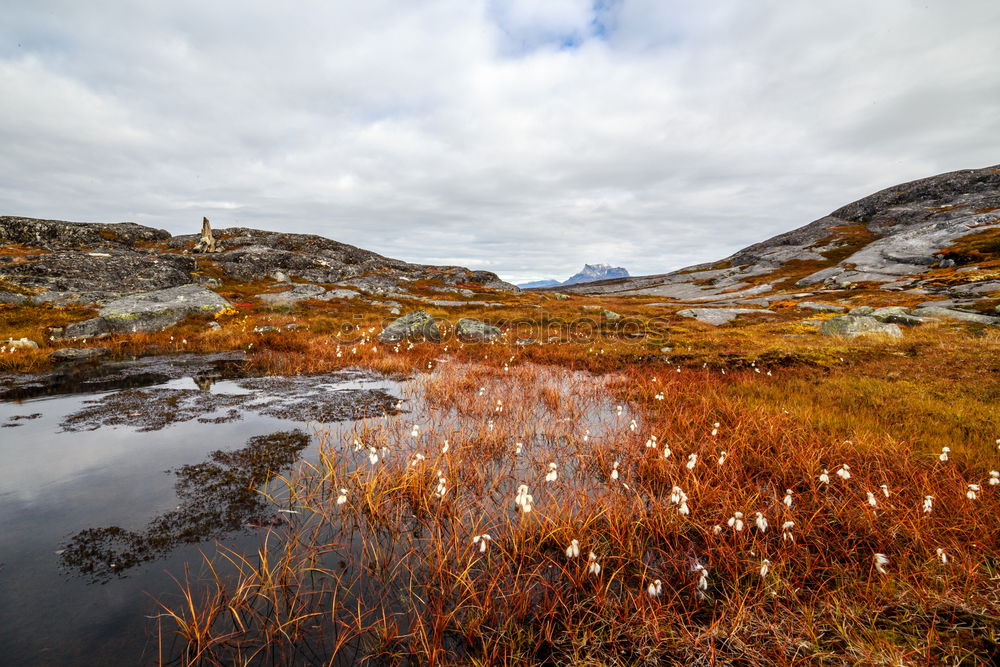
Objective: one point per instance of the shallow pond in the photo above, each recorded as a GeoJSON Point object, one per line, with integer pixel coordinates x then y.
{"type": "Point", "coordinates": [105, 494]}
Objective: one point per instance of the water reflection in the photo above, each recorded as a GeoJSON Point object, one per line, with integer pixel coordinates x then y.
{"type": "Point", "coordinates": [216, 497]}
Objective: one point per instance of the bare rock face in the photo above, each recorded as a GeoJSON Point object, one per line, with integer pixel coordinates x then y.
{"type": "Point", "coordinates": [149, 311]}
{"type": "Point", "coordinates": [852, 326]}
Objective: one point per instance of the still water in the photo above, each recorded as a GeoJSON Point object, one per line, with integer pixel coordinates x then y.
{"type": "Point", "coordinates": [104, 496]}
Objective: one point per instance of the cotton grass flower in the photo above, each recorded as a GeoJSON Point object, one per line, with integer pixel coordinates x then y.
{"type": "Point", "coordinates": [679, 498]}
{"type": "Point", "coordinates": [844, 472]}
{"type": "Point", "coordinates": [880, 562]}
{"type": "Point", "coordinates": [702, 577]}
{"type": "Point", "coordinates": [885, 489]}
{"type": "Point", "coordinates": [523, 500]}
{"type": "Point", "coordinates": [943, 456]}
{"type": "Point", "coordinates": [518, 447]}
{"type": "Point", "coordinates": [442, 488]}
{"type": "Point", "coordinates": [972, 491]}
{"type": "Point", "coordinates": [994, 477]}
{"type": "Point", "coordinates": [871, 499]}
{"type": "Point", "coordinates": [786, 531]}
{"type": "Point", "coordinates": [715, 429]}
{"type": "Point", "coordinates": [765, 567]}
{"type": "Point", "coordinates": [691, 462]}
{"type": "Point", "coordinates": [372, 455]}
{"type": "Point", "coordinates": [445, 447]}
{"type": "Point", "coordinates": [666, 451]}
{"type": "Point", "coordinates": [552, 474]}
{"type": "Point", "coordinates": [722, 457]}
{"type": "Point", "coordinates": [593, 567]}
{"type": "Point", "coordinates": [761, 522]}
{"type": "Point", "coordinates": [482, 541]}
{"type": "Point", "coordinates": [342, 498]}
{"type": "Point", "coordinates": [573, 550]}
{"type": "Point", "coordinates": [928, 504]}
{"type": "Point", "coordinates": [824, 477]}
{"type": "Point", "coordinates": [788, 498]}
{"type": "Point", "coordinates": [651, 442]}
{"type": "Point", "coordinates": [614, 471]}
{"type": "Point", "coordinates": [633, 426]}
{"type": "Point", "coordinates": [655, 588]}
{"type": "Point", "coordinates": [736, 521]}
{"type": "Point", "coordinates": [942, 556]}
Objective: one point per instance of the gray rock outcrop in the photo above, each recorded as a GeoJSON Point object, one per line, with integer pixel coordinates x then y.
{"type": "Point", "coordinates": [475, 331]}
{"type": "Point", "coordinates": [418, 325]}
{"type": "Point", "coordinates": [719, 316]}
{"type": "Point", "coordinates": [852, 326]}
{"type": "Point", "coordinates": [149, 311]}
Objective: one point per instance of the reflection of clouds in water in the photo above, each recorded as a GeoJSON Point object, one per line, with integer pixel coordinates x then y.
{"type": "Point", "coordinates": [217, 496]}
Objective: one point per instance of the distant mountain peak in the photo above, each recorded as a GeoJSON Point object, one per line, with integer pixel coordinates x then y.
{"type": "Point", "coordinates": [589, 274]}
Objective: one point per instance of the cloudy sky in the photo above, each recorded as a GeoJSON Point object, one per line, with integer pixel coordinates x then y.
{"type": "Point", "coordinates": [523, 137]}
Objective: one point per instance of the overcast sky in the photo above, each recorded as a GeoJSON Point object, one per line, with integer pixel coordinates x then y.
{"type": "Point", "coordinates": [523, 137]}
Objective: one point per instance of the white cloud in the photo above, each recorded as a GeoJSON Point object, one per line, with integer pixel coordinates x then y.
{"type": "Point", "coordinates": [523, 137]}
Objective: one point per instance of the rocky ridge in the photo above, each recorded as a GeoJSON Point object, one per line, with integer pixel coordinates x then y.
{"type": "Point", "coordinates": [73, 262]}
{"type": "Point", "coordinates": [936, 238]}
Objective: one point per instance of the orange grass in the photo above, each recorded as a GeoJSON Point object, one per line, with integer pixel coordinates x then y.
{"type": "Point", "coordinates": [393, 574]}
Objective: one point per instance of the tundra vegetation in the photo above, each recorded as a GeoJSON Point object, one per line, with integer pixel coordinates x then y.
{"type": "Point", "coordinates": [607, 481]}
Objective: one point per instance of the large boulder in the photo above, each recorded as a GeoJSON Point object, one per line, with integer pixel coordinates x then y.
{"type": "Point", "coordinates": [149, 311]}
{"type": "Point", "coordinates": [474, 331]}
{"type": "Point", "coordinates": [418, 325]}
{"type": "Point", "coordinates": [852, 326]}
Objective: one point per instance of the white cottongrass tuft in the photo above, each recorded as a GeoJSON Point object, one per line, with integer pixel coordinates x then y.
{"type": "Point", "coordinates": [844, 472]}
{"type": "Point", "coordinates": [788, 497]}
{"type": "Point", "coordinates": [928, 504]}
{"type": "Point", "coordinates": [972, 491]}
{"type": "Point", "coordinates": [824, 477]}
{"type": "Point", "coordinates": [761, 523]}
{"type": "Point", "coordinates": [633, 426]}
{"type": "Point", "coordinates": [716, 529]}
{"type": "Point", "coordinates": [372, 455]}
{"type": "Point", "coordinates": [614, 471]}
{"type": "Point", "coordinates": [943, 456]}
{"type": "Point", "coordinates": [573, 550]}
{"type": "Point", "coordinates": [523, 500]}
{"type": "Point", "coordinates": [692, 461]}
{"type": "Point", "coordinates": [445, 447]}
{"type": "Point", "coordinates": [871, 499]}
{"type": "Point", "coordinates": [482, 541]}
{"type": "Point", "coordinates": [666, 451]}
{"type": "Point", "coordinates": [736, 521]}
{"type": "Point", "coordinates": [342, 498]}
{"type": "Point", "coordinates": [702, 576]}
{"type": "Point", "coordinates": [619, 409]}
{"type": "Point", "coordinates": [442, 488]}
{"type": "Point", "coordinates": [715, 429]}
{"type": "Point", "coordinates": [552, 475]}
{"type": "Point", "coordinates": [593, 567]}
{"type": "Point", "coordinates": [786, 531]}
{"type": "Point", "coordinates": [518, 447]}
{"type": "Point", "coordinates": [651, 442]}
{"type": "Point", "coordinates": [942, 556]}
{"type": "Point", "coordinates": [679, 498]}
{"type": "Point", "coordinates": [885, 489]}
{"type": "Point", "coordinates": [722, 457]}
{"type": "Point", "coordinates": [994, 477]}
{"type": "Point", "coordinates": [880, 562]}
{"type": "Point", "coordinates": [765, 567]}
{"type": "Point", "coordinates": [655, 588]}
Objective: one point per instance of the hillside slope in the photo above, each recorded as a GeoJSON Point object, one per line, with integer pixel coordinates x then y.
{"type": "Point", "coordinates": [938, 236]}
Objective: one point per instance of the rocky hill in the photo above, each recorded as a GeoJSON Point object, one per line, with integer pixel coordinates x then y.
{"type": "Point", "coordinates": [936, 237]}
{"type": "Point", "coordinates": [74, 262]}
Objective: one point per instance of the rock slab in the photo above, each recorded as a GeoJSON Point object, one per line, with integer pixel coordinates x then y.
{"type": "Point", "coordinates": [149, 311]}
{"type": "Point", "coordinates": [474, 331]}
{"type": "Point", "coordinates": [852, 326]}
